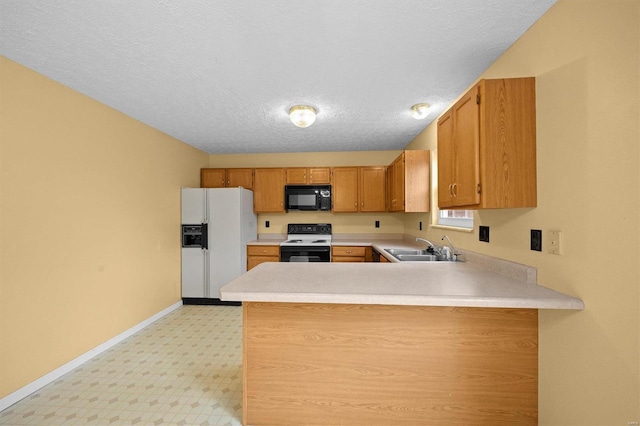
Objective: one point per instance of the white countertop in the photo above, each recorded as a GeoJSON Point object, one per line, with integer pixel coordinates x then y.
{"type": "Point", "coordinates": [418, 284]}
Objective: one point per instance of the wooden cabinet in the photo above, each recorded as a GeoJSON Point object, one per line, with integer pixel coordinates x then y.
{"type": "Point", "coordinates": [212, 178]}
{"type": "Point", "coordinates": [268, 190]}
{"type": "Point", "coordinates": [344, 189]}
{"type": "Point", "coordinates": [226, 178]}
{"type": "Point", "coordinates": [262, 253]}
{"type": "Point", "coordinates": [487, 147]}
{"type": "Point", "coordinates": [348, 254]}
{"type": "Point", "coordinates": [410, 182]}
{"type": "Point", "coordinates": [372, 189]}
{"type": "Point", "coordinates": [359, 189]}
{"type": "Point", "coordinates": [376, 256]}
{"type": "Point", "coordinates": [311, 175]}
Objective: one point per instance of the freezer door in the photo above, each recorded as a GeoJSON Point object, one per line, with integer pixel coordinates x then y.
{"type": "Point", "coordinates": [193, 206]}
{"type": "Point", "coordinates": [194, 272]}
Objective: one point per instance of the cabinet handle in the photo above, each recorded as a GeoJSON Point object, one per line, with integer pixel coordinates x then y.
{"type": "Point", "coordinates": [450, 190]}
{"type": "Point", "coordinates": [348, 251]}
{"type": "Point", "coordinates": [229, 182]}
{"type": "Point", "coordinates": [455, 190]}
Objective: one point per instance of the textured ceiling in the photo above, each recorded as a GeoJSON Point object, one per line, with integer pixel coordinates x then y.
{"type": "Point", "coordinates": [222, 75]}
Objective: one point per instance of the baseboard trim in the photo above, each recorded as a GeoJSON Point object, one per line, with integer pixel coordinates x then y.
{"type": "Point", "coordinates": [37, 384]}
{"type": "Point", "coordinates": [208, 301]}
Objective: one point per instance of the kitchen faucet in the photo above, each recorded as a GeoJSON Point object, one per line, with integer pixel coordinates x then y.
{"type": "Point", "coordinates": [429, 243]}
{"type": "Point", "coordinates": [452, 248]}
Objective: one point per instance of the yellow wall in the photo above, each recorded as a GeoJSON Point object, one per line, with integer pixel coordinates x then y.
{"type": "Point", "coordinates": [585, 57]}
{"type": "Point", "coordinates": [89, 223]}
{"type": "Point", "coordinates": [390, 223]}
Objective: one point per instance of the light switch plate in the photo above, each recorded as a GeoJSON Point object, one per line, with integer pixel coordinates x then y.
{"type": "Point", "coordinates": [555, 241]}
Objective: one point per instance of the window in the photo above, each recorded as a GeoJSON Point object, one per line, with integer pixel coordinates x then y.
{"type": "Point", "coordinates": [458, 218]}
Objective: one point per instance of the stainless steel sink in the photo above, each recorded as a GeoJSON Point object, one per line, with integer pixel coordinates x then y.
{"type": "Point", "coordinates": [406, 255]}
{"type": "Point", "coordinates": [417, 257]}
{"type": "Point", "coordinates": [403, 252]}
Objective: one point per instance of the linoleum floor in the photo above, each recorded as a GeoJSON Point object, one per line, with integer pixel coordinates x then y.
{"type": "Point", "coordinates": [184, 369]}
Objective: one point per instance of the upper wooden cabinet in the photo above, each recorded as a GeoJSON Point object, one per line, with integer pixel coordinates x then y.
{"type": "Point", "coordinates": [226, 178]}
{"type": "Point", "coordinates": [487, 147]}
{"type": "Point", "coordinates": [358, 189]}
{"type": "Point", "coordinates": [268, 190]}
{"type": "Point", "coordinates": [311, 175]}
{"type": "Point", "coordinates": [409, 184]}
{"type": "Point", "coordinates": [344, 189]}
{"type": "Point", "coordinates": [372, 189]}
{"type": "Point", "coordinates": [213, 178]}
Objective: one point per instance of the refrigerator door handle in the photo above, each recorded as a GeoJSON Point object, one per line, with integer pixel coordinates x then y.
{"type": "Point", "coordinates": [205, 236]}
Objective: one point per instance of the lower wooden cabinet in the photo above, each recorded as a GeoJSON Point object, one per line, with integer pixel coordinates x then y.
{"type": "Point", "coordinates": [260, 254]}
{"type": "Point", "coordinates": [348, 254]}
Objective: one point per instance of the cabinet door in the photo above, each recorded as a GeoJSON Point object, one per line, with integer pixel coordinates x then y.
{"type": "Point", "coordinates": [319, 175]}
{"type": "Point", "coordinates": [372, 189]}
{"type": "Point", "coordinates": [446, 161]}
{"type": "Point", "coordinates": [296, 176]}
{"type": "Point", "coordinates": [212, 178]}
{"type": "Point", "coordinates": [416, 181]}
{"type": "Point", "coordinates": [389, 188]}
{"type": "Point", "coordinates": [268, 190]}
{"type": "Point", "coordinates": [240, 177]}
{"type": "Point", "coordinates": [345, 189]}
{"type": "Point", "coordinates": [253, 261]}
{"type": "Point", "coordinates": [466, 136]}
{"type": "Point", "coordinates": [397, 201]}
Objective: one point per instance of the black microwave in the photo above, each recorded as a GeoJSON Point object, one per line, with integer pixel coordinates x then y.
{"type": "Point", "coordinates": [307, 197]}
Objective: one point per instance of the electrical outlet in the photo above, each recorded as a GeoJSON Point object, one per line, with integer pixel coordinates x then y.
{"type": "Point", "coordinates": [483, 234]}
{"type": "Point", "coordinates": [536, 240]}
{"type": "Point", "coordinates": [420, 226]}
{"type": "Point", "coordinates": [266, 223]}
{"type": "Point", "coordinates": [555, 242]}
{"type": "Point", "coordinates": [377, 224]}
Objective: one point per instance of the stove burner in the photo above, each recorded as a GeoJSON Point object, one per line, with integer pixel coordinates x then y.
{"type": "Point", "coordinates": [319, 241]}
{"type": "Point", "coordinates": [293, 241]}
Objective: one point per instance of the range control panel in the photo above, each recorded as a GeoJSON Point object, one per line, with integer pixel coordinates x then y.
{"type": "Point", "coordinates": [309, 228]}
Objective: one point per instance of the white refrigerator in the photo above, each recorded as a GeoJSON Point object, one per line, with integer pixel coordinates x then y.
{"type": "Point", "coordinates": [226, 219]}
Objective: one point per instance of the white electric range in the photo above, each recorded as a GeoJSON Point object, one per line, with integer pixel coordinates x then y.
{"type": "Point", "coordinates": [307, 242]}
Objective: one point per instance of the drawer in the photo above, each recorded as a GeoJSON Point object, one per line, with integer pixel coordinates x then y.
{"type": "Point", "coordinates": [347, 259]}
{"type": "Point", "coordinates": [348, 251]}
{"type": "Point", "coordinates": [263, 250]}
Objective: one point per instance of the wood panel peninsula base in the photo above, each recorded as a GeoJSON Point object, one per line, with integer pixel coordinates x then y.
{"type": "Point", "coordinates": [372, 364]}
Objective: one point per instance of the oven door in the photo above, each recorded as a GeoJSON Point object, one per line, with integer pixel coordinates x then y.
{"type": "Point", "coordinates": [305, 254]}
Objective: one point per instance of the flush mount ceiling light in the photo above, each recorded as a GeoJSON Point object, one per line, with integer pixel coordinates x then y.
{"type": "Point", "coordinates": [302, 115]}
{"type": "Point", "coordinates": [420, 111]}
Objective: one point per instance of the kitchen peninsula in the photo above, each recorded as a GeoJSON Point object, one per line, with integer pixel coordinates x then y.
{"type": "Point", "coordinates": [437, 343]}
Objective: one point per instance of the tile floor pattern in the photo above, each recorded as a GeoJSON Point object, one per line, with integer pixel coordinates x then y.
{"type": "Point", "coordinates": [184, 369]}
